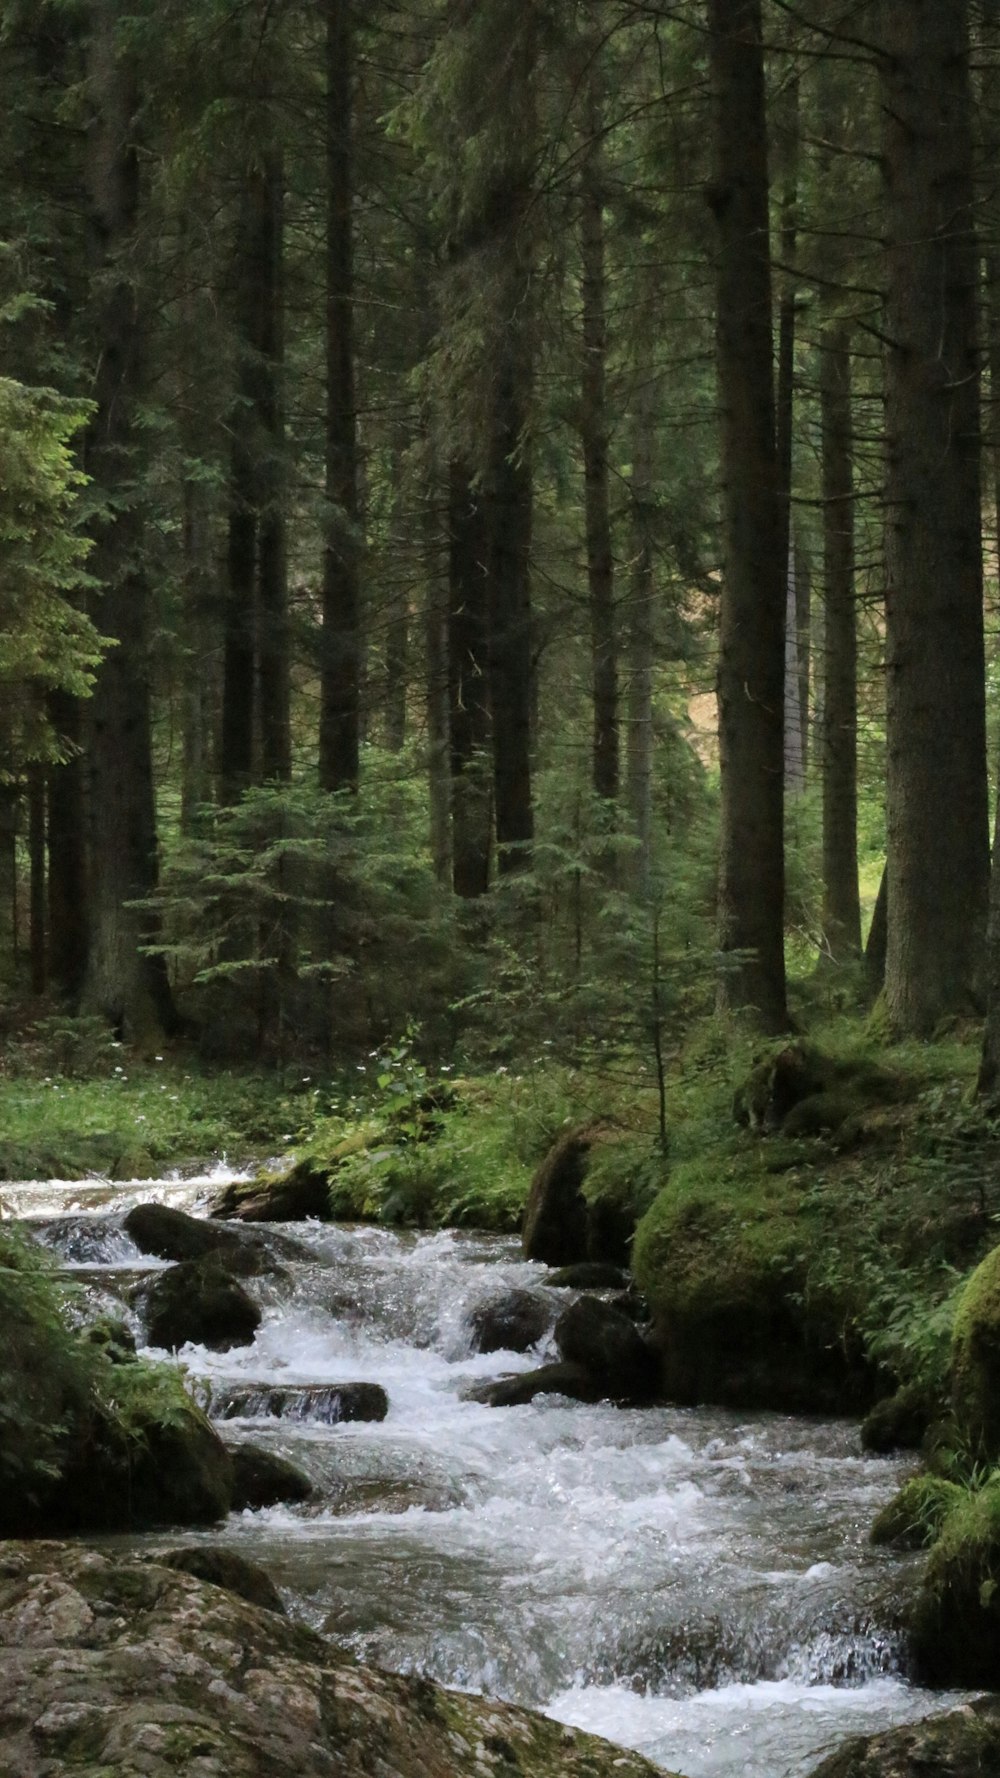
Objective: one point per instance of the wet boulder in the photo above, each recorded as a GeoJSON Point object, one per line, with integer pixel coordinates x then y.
{"type": "Point", "coordinates": [899, 1422]}
{"type": "Point", "coordinates": [510, 1323]}
{"type": "Point", "coordinates": [303, 1195]}
{"type": "Point", "coordinates": [261, 1478]}
{"type": "Point", "coordinates": [110, 1665]}
{"type": "Point", "coordinates": [327, 1403]}
{"type": "Point", "coordinates": [955, 1624]}
{"type": "Point", "coordinates": [963, 1743]}
{"type": "Point", "coordinates": [197, 1301]}
{"type": "Point", "coordinates": [166, 1466]}
{"type": "Point", "coordinates": [222, 1567]}
{"type": "Point", "coordinates": [549, 1379]}
{"type": "Point", "coordinates": [172, 1234]}
{"type": "Point", "coordinates": [609, 1346]}
{"type": "Point", "coordinates": [588, 1274]}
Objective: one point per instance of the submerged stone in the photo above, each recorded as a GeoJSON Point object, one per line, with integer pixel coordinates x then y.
{"type": "Point", "coordinates": [262, 1478]}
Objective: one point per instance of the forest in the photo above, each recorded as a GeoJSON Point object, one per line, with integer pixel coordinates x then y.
{"type": "Point", "coordinates": [499, 740]}
{"type": "Point", "coordinates": [498, 508]}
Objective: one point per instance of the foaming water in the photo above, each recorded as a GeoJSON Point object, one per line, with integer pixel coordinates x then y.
{"type": "Point", "coordinates": [33, 1199]}
{"type": "Point", "coordinates": [694, 1584]}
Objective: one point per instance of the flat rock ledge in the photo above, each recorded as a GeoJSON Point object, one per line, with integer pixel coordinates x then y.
{"type": "Point", "coordinates": [113, 1668]}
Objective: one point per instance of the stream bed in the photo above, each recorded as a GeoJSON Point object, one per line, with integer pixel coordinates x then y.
{"type": "Point", "coordinates": [693, 1583]}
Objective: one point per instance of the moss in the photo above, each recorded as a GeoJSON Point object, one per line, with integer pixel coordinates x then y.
{"type": "Point", "coordinates": [962, 1744]}
{"type": "Point", "coordinates": [915, 1517]}
{"type": "Point", "coordinates": [899, 1422]}
{"type": "Point", "coordinates": [975, 1361]}
{"type": "Point", "coordinates": [956, 1621]}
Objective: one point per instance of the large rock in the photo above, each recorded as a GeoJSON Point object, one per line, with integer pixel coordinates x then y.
{"type": "Point", "coordinates": [510, 1323]}
{"type": "Point", "coordinates": [116, 1666]}
{"type": "Point", "coordinates": [328, 1403]}
{"type": "Point", "coordinates": [548, 1379]}
{"type": "Point", "coordinates": [168, 1467]}
{"type": "Point", "coordinates": [962, 1744]}
{"type": "Point", "coordinates": [567, 1219]}
{"type": "Point", "coordinates": [172, 1234]}
{"type": "Point", "coordinates": [262, 1478]}
{"type": "Point", "coordinates": [955, 1624]}
{"type": "Point", "coordinates": [609, 1346]}
{"type": "Point", "coordinates": [199, 1301]}
{"type": "Point", "coordinates": [588, 1274]}
{"type": "Point", "coordinates": [975, 1361]}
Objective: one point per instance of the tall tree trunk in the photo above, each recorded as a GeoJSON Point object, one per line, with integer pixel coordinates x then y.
{"type": "Point", "coordinates": [272, 552]}
{"type": "Point", "coordinates": [594, 430]}
{"type": "Point", "coordinates": [130, 990]}
{"type": "Point", "coordinates": [196, 689]}
{"type": "Point", "coordinates": [437, 684]}
{"type": "Point", "coordinates": [68, 886]}
{"type": "Point", "coordinates": [752, 613]}
{"type": "Point", "coordinates": [795, 776]}
{"type": "Point", "coordinates": [639, 750]}
{"type": "Point", "coordinates": [340, 697]}
{"type": "Point", "coordinates": [468, 644]}
{"type": "Point", "coordinates": [239, 646]}
{"type": "Point", "coordinates": [938, 841]}
{"type": "Point", "coordinates": [511, 665]}
{"type": "Point", "coordinates": [38, 951]}
{"type": "Point", "coordinates": [397, 622]}
{"type": "Point", "coordinates": [841, 897]}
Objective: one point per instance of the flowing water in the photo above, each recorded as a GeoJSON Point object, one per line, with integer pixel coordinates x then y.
{"type": "Point", "coordinates": [695, 1584]}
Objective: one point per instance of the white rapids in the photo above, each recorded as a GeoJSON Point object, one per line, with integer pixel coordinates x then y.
{"type": "Point", "coordinates": [694, 1584]}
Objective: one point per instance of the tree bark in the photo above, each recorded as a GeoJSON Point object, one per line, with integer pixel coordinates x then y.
{"type": "Point", "coordinates": [511, 666]}
{"type": "Point", "coordinates": [272, 551]}
{"type": "Point", "coordinates": [841, 897]}
{"type": "Point", "coordinates": [594, 432]}
{"type": "Point", "coordinates": [468, 645]}
{"type": "Point", "coordinates": [340, 680]}
{"type": "Point", "coordinates": [68, 887]}
{"type": "Point", "coordinates": [438, 705]}
{"type": "Point", "coordinates": [38, 948]}
{"type": "Point", "coordinates": [239, 646]}
{"type": "Point", "coordinates": [937, 815]}
{"type": "Point", "coordinates": [128, 989]}
{"type": "Point", "coordinates": [752, 607]}
{"type": "Point", "coordinates": [639, 750]}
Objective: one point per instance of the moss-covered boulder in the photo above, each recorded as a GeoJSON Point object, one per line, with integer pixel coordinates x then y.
{"type": "Point", "coordinates": [955, 1627]}
{"type": "Point", "coordinates": [975, 1361]}
{"type": "Point", "coordinates": [802, 1090]}
{"type": "Point", "coordinates": [915, 1517]}
{"type": "Point", "coordinates": [900, 1422]}
{"type": "Point", "coordinates": [197, 1301]}
{"type": "Point", "coordinates": [962, 1744]}
{"type": "Point", "coordinates": [301, 1195]}
{"type": "Point", "coordinates": [586, 1198]}
{"type": "Point", "coordinates": [110, 1666]}
{"type": "Point", "coordinates": [725, 1268]}
{"type": "Point", "coordinates": [588, 1274]}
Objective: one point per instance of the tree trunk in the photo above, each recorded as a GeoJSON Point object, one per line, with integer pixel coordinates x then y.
{"type": "Point", "coordinates": [239, 647]}
{"type": "Point", "coordinates": [272, 553]}
{"type": "Point", "coordinates": [340, 695]}
{"type": "Point", "coordinates": [937, 816]}
{"type": "Point", "coordinates": [468, 643]}
{"type": "Point", "coordinates": [878, 938]}
{"type": "Point", "coordinates": [68, 887]}
{"type": "Point", "coordinates": [594, 430]}
{"type": "Point", "coordinates": [752, 607]}
{"type": "Point", "coordinates": [195, 689]}
{"type": "Point", "coordinates": [38, 951]}
{"type": "Point", "coordinates": [841, 898]}
{"type": "Point", "coordinates": [639, 751]}
{"type": "Point", "coordinates": [511, 667]}
{"type": "Point", "coordinates": [397, 623]}
{"type": "Point", "coordinates": [437, 686]}
{"type": "Point", "coordinates": [795, 775]}
{"type": "Point", "coordinates": [128, 989]}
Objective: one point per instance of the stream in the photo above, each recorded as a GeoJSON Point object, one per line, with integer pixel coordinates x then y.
{"type": "Point", "coordinates": [692, 1583]}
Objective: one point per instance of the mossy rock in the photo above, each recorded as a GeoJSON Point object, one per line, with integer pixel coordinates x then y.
{"type": "Point", "coordinates": [962, 1744]}
{"type": "Point", "coordinates": [975, 1361]}
{"type": "Point", "coordinates": [837, 1088]}
{"type": "Point", "coordinates": [900, 1422]}
{"type": "Point", "coordinates": [726, 1277]}
{"type": "Point", "coordinates": [586, 1198]}
{"type": "Point", "coordinates": [300, 1195]}
{"type": "Point", "coordinates": [835, 1114]}
{"type": "Point", "coordinates": [955, 1625]}
{"type": "Point", "coordinates": [915, 1517]}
